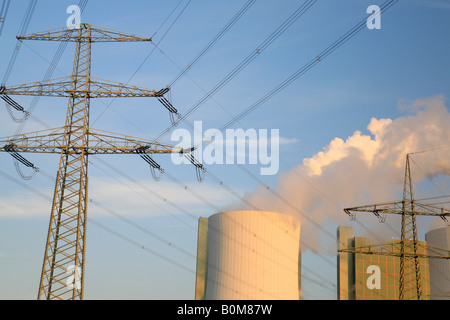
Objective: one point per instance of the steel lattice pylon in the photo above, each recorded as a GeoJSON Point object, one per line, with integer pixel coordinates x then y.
{"type": "Point", "coordinates": [409, 260]}
{"type": "Point", "coordinates": [63, 268]}
{"type": "Point", "coordinates": [409, 253]}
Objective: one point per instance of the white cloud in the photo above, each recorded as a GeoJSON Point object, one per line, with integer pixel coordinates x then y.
{"type": "Point", "coordinates": [24, 206]}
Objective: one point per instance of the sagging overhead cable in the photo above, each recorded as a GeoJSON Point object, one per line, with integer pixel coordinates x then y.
{"type": "Point", "coordinates": [153, 164]}
{"type": "Point", "coordinates": [18, 158]}
{"type": "Point", "coordinates": [9, 102]}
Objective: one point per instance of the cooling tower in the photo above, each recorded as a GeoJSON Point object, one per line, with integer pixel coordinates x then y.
{"type": "Point", "coordinates": [439, 268]}
{"type": "Point", "coordinates": [252, 255]}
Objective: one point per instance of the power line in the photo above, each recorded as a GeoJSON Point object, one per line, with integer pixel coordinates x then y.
{"type": "Point", "coordinates": [213, 41]}
{"type": "Point", "coordinates": [435, 186]}
{"type": "Point", "coordinates": [264, 45]}
{"type": "Point", "coordinates": [433, 198]}
{"type": "Point", "coordinates": [154, 193]}
{"type": "Point", "coordinates": [3, 14]}
{"type": "Point", "coordinates": [320, 57]}
{"type": "Point", "coordinates": [22, 30]}
{"type": "Point", "coordinates": [141, 246]}
{"type": "Point", "coordinates": [149, 54]}
{"type": "Point", "coordinates": [167, 18]}
{"type": "Point", "coordinates": [144, 230]}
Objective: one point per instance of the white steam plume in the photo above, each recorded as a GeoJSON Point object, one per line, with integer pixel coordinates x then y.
{"type": "Point", "coordinates": [363, 169]}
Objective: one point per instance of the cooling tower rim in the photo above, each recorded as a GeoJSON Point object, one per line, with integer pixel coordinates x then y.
{"type": "Point", "coordinates": [438, 231]}
{"type": "Point", "coordinates": [289, 217]}
{"type": "Point", "coordinates": [249, 211]}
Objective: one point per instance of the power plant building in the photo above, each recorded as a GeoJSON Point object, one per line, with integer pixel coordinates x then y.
{"type": "Point", "coordinates": [374, 276]}
{"type": "Point", "coordinates": [439, 268]}
{"type": "Point", "coordinates": [248, 255]}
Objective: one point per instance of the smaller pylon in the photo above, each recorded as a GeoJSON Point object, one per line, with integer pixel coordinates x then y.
{"type": "Point", "coordinates": [409, 209]}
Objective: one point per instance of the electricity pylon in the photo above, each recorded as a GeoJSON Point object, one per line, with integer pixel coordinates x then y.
{"type": "Point", "coordinates": [63, 268]}
{"type": "Point", "coordinates": [409, 253]}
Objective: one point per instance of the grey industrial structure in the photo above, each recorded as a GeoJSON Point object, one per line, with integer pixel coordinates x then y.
{"type": "Point", "coordinates": [439, 268]}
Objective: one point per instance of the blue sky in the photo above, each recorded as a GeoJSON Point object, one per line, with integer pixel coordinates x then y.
{"type": "Point", "coordinates": [407, 59]}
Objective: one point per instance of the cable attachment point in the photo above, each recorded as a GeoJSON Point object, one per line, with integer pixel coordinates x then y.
{"type": "Point", "coordinates": [18, 158]}
{"type": "Point", "coordinates": [350, 214]}
{"type": "Point", "coordinates": [153, 164]}
{"type": "Point", "coordinates": [444, 218]}
{"type": "Point", "coordinates": [166, 103]}
{"type": "Point", "coordinates": [381, 217]}
{"type": "Point", "coordinates": [9, 102]}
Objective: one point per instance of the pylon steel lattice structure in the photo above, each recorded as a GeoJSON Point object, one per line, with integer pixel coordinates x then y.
{"type": "Point", "coordinates": [63, 268]}
{"type": "Point", "coordinates": [409, 253]}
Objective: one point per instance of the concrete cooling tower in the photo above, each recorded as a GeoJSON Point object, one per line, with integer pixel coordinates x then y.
{"type": "Point", "coordinates": [439, 268]}
{"type": "Point", "coordinates": [251, 255]}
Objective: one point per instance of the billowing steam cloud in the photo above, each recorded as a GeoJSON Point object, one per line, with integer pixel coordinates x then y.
{"type": "Point", "coordinates": [363, 169]}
